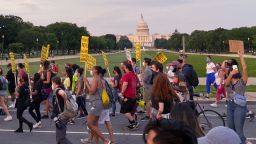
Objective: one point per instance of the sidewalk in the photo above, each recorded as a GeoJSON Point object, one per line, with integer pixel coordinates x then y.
{"type": "Point", "coordinates": [251, 81]}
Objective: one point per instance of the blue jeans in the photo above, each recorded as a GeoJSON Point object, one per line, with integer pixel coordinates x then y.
{"type": "Point", "coordinates": [81, 103]}
{"type": "Point", "coordinates": [210, 78]}
{"type": "Point", "coordinates": [115, 98]}
{"type": "Point", "coordinates": [236, 118]}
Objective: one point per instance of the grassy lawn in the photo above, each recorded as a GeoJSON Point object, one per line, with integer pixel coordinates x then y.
{"type": "Point", "coordinates": [201, 88]}
{"type": "Point", "coordinates": [198, 61]}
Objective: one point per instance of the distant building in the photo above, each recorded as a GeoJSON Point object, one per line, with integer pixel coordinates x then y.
{"type": "Point", "coordinates": [143, 36]}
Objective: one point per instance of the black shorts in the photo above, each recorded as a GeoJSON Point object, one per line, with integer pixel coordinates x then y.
{"type": "Point", "coordinates": [128, 106]}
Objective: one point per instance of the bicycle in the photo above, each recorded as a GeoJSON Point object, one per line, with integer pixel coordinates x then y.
{"type": "Point", "coordinates": [207, 118]}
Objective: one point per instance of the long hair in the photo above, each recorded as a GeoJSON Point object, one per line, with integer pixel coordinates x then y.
{"type": "Point", "coordinates": [184, 113]}
{"type": "Point", "coordinates": [117, 69]}
{"type": "Point", "coordinates": [162, 89]}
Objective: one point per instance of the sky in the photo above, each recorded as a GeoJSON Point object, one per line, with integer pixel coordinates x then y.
{"type": "Point", "coordinates": [121, 16]}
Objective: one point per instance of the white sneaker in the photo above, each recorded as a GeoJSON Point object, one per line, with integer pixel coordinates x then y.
{"type": "Point", "coordinates": [37, 125]}
{"type": "Point", "coordinates": [86, 141]}
{"type": "Point", "coordinates": [214, 105]}
{"type": "Point", "coordinates": [8, 118]}
{"type": "Point", "coordinates": [248, 142]}
{"type": "Point", "coordinates": [12, 105]}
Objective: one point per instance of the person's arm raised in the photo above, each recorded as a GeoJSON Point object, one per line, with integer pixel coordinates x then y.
{"type": "Point", "coordinates": [244, 67]}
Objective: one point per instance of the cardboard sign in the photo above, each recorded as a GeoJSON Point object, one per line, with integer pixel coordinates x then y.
{"type": "Point", "coordinates": [84, 48]}
{"type": "Point", "coordinates": [90, 61]}
{"type": "Point", "coordinates": [137, 51]}
{"type": "Point", "coordinates": [105, 59]}
{"type": "Point", "coordinates": [44, 53]}
{"type": "Point", "coordinates": [26, 64]}
{"type": "Point", "coordinates": [13, 62]}
{"type": "Point", "coordinates": [160, 57]}
{"type": "Point", "coordinates": [236, 45]}
{"type": "Point", "coordinates": [128, 54]}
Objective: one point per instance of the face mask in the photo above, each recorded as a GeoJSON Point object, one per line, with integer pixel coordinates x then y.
{"type": "Point", "coordinates": [171, 68]}
{"type": "Point", "coordinates": [91, 73]}
{"type": "Point", "coordinates": [167, 67]}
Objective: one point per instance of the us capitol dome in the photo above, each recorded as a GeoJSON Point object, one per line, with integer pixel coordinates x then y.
{"type": "Point", "coordinates": [143, 36]}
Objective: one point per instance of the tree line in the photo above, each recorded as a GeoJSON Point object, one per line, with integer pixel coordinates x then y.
{"type": "Point", "coordinates": [213, 41]}
{"type": "Point", "coordinates": [19, 37]}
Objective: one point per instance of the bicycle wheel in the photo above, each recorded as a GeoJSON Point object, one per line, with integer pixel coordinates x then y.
{"type": "Point", "coordinates": [209, 119]}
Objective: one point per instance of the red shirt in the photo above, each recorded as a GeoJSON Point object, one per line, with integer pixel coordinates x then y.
{"type": "Point", "coordinates": [131, 79]}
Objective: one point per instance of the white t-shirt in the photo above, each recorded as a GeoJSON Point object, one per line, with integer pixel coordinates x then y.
{"type": "Point", "coordinates": [217, 79]}
{"type": "Point", "coordinates": [209, 67]}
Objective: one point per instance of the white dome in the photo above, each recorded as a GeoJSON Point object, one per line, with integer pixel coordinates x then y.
{"type": "Point", "coordinates": [142, 27]}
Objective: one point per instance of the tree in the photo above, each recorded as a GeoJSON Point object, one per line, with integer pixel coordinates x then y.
{"type": "Point", "coordinates": [175, 42]}
{"type": "Point", "coordinates": [17, 48]}
{"type": "Point", "coordinates": [161, 43]}
{"type": "Point", "coordinates": [111, 41]}
{"type": "Point", "coordinates": [124, 42]}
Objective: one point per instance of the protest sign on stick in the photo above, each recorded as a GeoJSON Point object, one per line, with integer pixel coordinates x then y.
{"type": "Point", "coordinates": [236, 45]}
{"type": "Point", "coordinates": [160, 57]}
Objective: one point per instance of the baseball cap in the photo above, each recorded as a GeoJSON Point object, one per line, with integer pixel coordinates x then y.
{"type": "Point", "coordinates": [220, 135]}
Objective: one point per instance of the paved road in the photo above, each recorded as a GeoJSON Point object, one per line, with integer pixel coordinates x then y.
{"type": "Point", "coordinates": [46, 135]}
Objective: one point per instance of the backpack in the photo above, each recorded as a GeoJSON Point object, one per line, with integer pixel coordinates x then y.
{"type": "Point", "coordinates": [191, 76]}
{"type": "Point", "coordinates": [71, 109]}
{"type": "Point", "coordinates": [3, 83]}
{"type": "Point", "coordinates": [109, 93]}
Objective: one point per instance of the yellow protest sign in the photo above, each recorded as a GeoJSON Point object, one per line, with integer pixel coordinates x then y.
{"type": "Point", "coordinates": [105, 59]}
{"type": "Point", "coordinates": [13, 62]}
{"type": "Point", "coordinates": [47, 51]}
{"type": "Point", "coordinates": [90, 61]}
{"type": "Point", "coordinates": [138, 51]}
{"type": "Point", "coordinates": [26, 64]}
{"type": "Point", "coordinates": [44, 53]}
{"type": "Point", "coordinates": [84, 48]}
{"type": "Point", "coordinates": [160, 57]}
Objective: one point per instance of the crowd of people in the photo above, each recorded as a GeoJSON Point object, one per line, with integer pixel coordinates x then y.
{"type": "Point", "coordinates": [168, 99]}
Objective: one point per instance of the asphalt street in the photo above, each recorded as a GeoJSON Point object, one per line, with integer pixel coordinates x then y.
{"type": "Point", "coordinates": [46, 134]}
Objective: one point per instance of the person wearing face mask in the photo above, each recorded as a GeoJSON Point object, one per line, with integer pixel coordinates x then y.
{"type": "Point", "coordinates": [210, 75]}
{"type": "Point", "coordinates": [236, 86]}
{"type": "Point", "coordinates": [147, 85]}
{"type": "Point", "coordinates": [178, 81]}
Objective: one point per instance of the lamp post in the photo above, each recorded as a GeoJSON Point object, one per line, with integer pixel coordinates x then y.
{"type": "Point", "coordinates": [2, 46]}
{"type": "Point", "coordinates": [223, 43]}
{"type": "Point", "coordinates": [249, 44]}
{"type": "Point", "coordinates": [37, 46]}
{"type": "Point", "coordinates": [58, 46]}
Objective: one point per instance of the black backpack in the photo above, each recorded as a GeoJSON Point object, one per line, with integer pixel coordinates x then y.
{"type": "Point", "coordinates": [191, 76]}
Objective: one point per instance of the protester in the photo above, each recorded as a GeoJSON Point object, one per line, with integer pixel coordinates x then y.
{"type": "Point", "coordinates": [3, 94]}
{"type": "Point", "coordinates": [81, 93]}
{"type": "Point", "coordinates": [11, 84]}
{"type": "Point", "coordinates": [190, 75]}
{"type": "Point", "coordinates": [178, 80]}
{"type": "Point", "coordinates": [220, 135]}
{"type": "Point", "coordinates": [136, 68]}
{"type": "Point", "coordinates": [236, 86]}
{"type": "Point", "coordinates": [183, 112]}
{"type": "Point", "coordinates": [59, 103]}
{"type": "Point", "coordinates": [22, 102]}
{"type": "Point", "coordinates": [116, 88]}
{"type": "Point", "coordinates": [96, 106]}
{"type": "Point", "coordinates": [210, 75]}
{"type": "Point", "coordinates": [163, 97]}
{"type": "Point", "coordinates": [128, 94]}
{"type": "Point", "coordinates": [21, 71]}
{"type": "Point", "coordinates": [75, 77]}
{"type": "Point", "coordinates": [166, 131]}
{"type": "Point", "coordinates": [46, 76]}
{"type": "Point", "coordinates": [68, 79]}
{"type": "Point", "coordinates": [54, 68]}
{"type": "Point", "coordinates": [36, 100]}
{"type": "Point", "coordinates": [220, 82]}
{"type": "Point", "coordinates": [147, 85]}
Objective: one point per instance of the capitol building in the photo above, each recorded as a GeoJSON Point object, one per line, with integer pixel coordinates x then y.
{"type": "Point", "coordinates": [143, 36]}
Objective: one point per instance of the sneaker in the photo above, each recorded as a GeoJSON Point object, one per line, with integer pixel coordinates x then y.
{"type": "Point", "coordinates": [214, 105]}
{"type": "Point", "coordinates": [146, 118]}
{"type": "Point", "coordinates": [45, 117]}
{"type": "Point", "coordinates": [248, 142]}
{"type": "Point", "coordinates": [8, 118]}
{"type": "Point", "coordinates": [86, 141]}
{"type": "Point", "coordinates": [134, 126]}
{"type": "Point", "coordinates": [37, 125]}
{"type": "Point", "coordinates": [112, 115]}
{"type": "Point", "coordinates": [81, 116]}
{"type": "Point", "coordinates": [12, 105]}
{"type": "Point", "coordinates": [72, 122]}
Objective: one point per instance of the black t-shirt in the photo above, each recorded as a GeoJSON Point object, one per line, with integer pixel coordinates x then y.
{"type": "Point", "coordinates": [167, 104]}
{"type": "Point", "coordinates": [55, 104]}
{"type": "Point", "coordinates": [117, 78]}
{"type": "Point", "coordinates": [11, 79]}
{"type": "Point", "coordinates": [37, 87]}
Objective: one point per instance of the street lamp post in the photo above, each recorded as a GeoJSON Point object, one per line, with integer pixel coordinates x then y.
{"type": "Point", "coordinates": [249, 44]}
{"type": "Point", "coordinates": [2, 46]}
{"type": "Point", "coordinates": [37, 46]}
{"type": "Point", "coordinates": [223, 42]}
{"type": "Point", "coordinates": [58, 47]}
